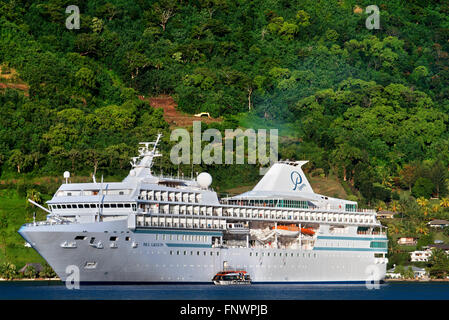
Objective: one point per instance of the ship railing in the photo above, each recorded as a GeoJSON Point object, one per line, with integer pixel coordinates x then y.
{"type": "Point", "coordinates": [311, 208]}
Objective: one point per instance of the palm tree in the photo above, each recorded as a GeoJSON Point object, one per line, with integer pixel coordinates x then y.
{"type": "Point", "coordinates": [394, 206]}
{"type": "Point", "coordinates": [421, 227]}
{"type": "Point", "coordinates": [34, 195]}
{"type": "Point", "coordinates": [426, 211]}
{"type": "Point", "coordinates": [435, 208]}
{"type": "Point", "coordinates": [444, 202]}
{"type": "Point", "coordinates": [422, 202]}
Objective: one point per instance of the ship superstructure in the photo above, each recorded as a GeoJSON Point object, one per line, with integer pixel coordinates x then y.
{"type": "Point", "coordinates": [151, 228]}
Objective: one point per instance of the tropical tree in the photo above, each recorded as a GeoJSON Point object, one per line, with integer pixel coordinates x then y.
{"type": "Point", "coordinates": [444, 202]}
{"type": "Point", "coordinates": [394, 206]}
{"type": "Point", "coordinates": [438, 175]}
{"type": "Point", "coordinates": [421, 228]}
{"type": "Point", "coordinates": [435, 208]}
{"type": "Point", "coordinates": [34, 195]}
{"type": "Point", "coordinates": [422, 202]}
{"type": "Point", "coordinates": [30, 272]}
{"type": "Point", "coordinates": [47, 271]}
{"type": "Point", "coordinates": [8, 271]}
{"type": "Point", "coordinates": [439, 264]}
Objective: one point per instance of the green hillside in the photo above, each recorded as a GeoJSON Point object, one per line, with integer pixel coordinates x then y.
{"type": "Point", "coordinates": [367, 107]}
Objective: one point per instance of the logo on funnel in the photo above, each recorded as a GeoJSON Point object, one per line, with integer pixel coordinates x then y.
{"type": "Point", "coordinates": [296, 180]}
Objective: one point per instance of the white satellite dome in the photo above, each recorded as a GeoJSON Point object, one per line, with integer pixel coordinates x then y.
{"type": "Point", "coordinates": [204, 180]}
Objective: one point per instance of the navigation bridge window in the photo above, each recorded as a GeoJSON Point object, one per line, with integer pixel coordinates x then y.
{"type": "Point", "coordinates": [91, 206]}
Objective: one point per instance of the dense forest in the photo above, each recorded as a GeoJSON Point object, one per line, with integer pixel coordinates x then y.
{"type": "Point", "coordinates": [366, 106]}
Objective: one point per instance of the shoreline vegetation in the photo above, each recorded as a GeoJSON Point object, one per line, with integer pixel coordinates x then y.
{"type": "Point", "coordinates": [29, 279]}
{"type": "Point", "coordinates": [385, 280]}
{"type": "Point", "coordinates": [416, 280]}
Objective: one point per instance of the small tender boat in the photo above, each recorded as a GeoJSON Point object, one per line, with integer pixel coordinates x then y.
{"type": "Point", "coordinates": [292, 230]}
{"type": "Point", "coordinates": [231, 277]}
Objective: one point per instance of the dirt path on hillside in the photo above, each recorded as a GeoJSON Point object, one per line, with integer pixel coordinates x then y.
{"type": "Point", "coordinates": [11, 80]}
{"type": "Point", "coordinates": [174, 117]}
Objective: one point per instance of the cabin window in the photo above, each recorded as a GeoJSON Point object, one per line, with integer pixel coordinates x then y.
{"type": "Point", "coordinates": [113, 205]}
{"type": "Point", "coordinates": [127, 239]}
{"type": "Point", "coordinates": [121, 193]}
{"type": "Point", "coordinates": [86, 205]}
{"type": "Point", "coordinates": [113, 238]}
{"type": "Point", "coordinates": [59, 206]}
{"type": "Point", "coordinates": [80, 238]}
{"type": "Point", "coordinates": [106, 205]}
{"type": "Point", "coordinates": [92, 205]}
{"type": "Point", "coordinates": [120, 205]}
{"type": "Point", "coordinates": [69, 194]}
{"type": "Point", "coordinates": [127, 205]}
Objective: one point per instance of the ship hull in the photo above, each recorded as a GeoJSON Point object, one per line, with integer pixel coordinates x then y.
{"type": "Point", "coordinates": [140, 257]}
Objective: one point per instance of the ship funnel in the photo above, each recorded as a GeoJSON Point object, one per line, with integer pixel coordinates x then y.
{"type": "Point", "coordinates": [286, 176]}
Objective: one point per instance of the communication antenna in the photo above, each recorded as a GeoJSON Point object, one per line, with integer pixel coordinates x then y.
{"type": "Point", "coordinates": [66, 176]}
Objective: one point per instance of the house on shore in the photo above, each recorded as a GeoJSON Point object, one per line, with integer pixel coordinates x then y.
{"type": "Point", "coordinates": [420, 255]}
{"type": "Point", "coordinates": [37, 267]}
{"type": "Point", "coordinates": [409, 241]}
{"type": "Point", "coordinates": [443, 246]}
{"type": "Point", "coordinates": [419, 273]}
{"type": "Point", "coordinates": [438, 223]}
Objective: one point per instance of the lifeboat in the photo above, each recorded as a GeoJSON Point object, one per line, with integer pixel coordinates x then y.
{"type": "Point", "coordinates": [232, 277]}
{"type": "Point", "coordinates": [292, 230]}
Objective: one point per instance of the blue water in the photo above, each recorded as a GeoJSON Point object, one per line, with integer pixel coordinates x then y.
{"type": "Point", "coordinates": [49, 290]}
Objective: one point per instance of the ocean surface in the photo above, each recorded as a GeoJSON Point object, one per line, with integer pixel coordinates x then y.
{"type": "Point", "coordinates": [55, 290]}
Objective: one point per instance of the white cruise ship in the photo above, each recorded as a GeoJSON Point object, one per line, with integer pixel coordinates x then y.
{"type": "Point", "coordinates": [157, 229]}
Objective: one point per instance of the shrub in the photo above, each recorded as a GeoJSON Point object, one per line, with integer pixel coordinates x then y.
{"type": "Point", "coordinates": [423, 187]}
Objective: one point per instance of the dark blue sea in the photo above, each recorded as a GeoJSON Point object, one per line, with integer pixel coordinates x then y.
{"type": "Point", "coordinates": [52, 290]}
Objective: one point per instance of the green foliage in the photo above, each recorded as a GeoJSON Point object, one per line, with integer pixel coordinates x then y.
{"type": "Point", "coordinates": [423, 187]}
{"type": "Point", "coordinates": [8, 271]}
{"type": "Point", "coordinates": [47, 271]}
{"type": "Point", "coordinates": [439, 264]}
